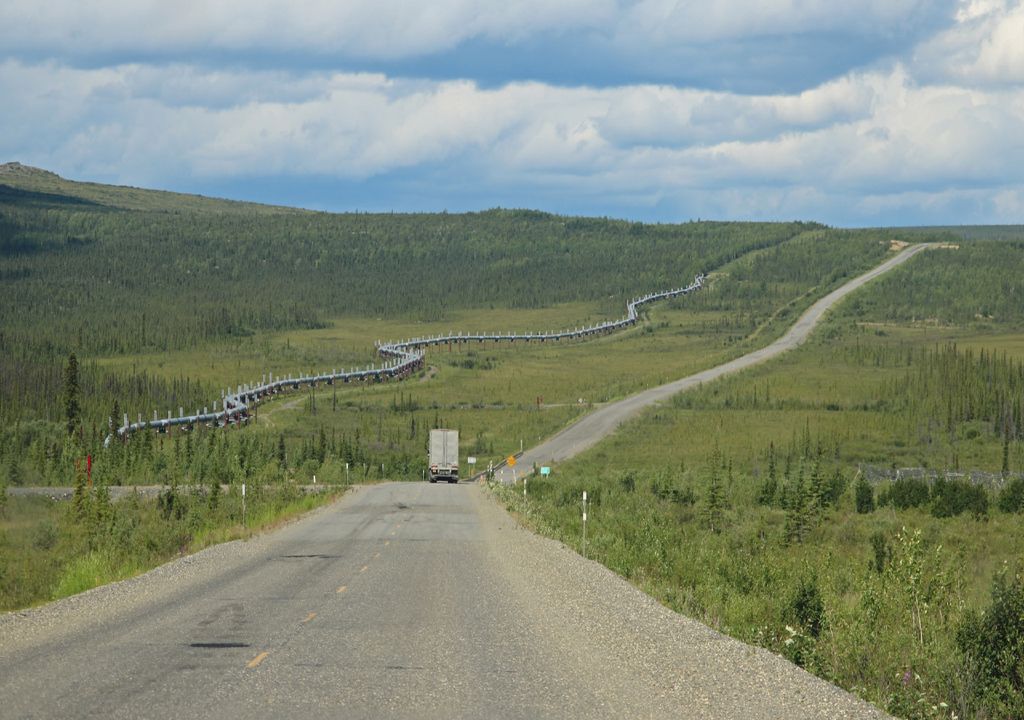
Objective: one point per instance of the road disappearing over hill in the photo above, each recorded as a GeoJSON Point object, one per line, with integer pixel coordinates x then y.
{"type": "Point", "coordinates": [601, 423]}
{"type": "Point", "coordinates": [405, 600]}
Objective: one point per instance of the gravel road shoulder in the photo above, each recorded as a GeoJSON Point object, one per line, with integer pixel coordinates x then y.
{"type": "Point", "coordinates": [625, 637]}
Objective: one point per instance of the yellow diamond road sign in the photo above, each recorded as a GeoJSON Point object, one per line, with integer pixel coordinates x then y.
{"type": "Point", "coordinates": [511, 460]}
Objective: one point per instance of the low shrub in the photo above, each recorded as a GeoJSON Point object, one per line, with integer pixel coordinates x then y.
{"type": "Point", "coordinates": [992, 648]}
{"type": "Point", "coordinates": [1011, 498]}
{"type": "Point", "coordinates": [951, 497]}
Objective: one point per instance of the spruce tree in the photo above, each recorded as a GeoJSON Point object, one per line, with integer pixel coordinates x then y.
{"type": "Point", "coordinates": [321, 448]}
{"type": "Point", "coordinates": [715, 501]}
{"type": "Point", "coordinates": [115, 416]}
{"type": "Point", "coordinates": [80, 498]}
{"type": "Point", "coordinates": [213, 500]}
{"type": "Point", "coordinates": [72, 409]}
{"type": "Point", "coordinates": [797, 508]}
{"type": "Point", "coordinates": [770, 488]}
{"type": "Point", "coordinates": [819, 488]}
{"type": "Point", "coordinates": [1006, 449]}
{"type": "Point", "coordinates": [864, 496]}
{"type": "Point", "coordinates": [101, 515]}
{"type": "Point", "coordinates": [4, 482]}
{"type": "Point", "coordinates": [13, 473]}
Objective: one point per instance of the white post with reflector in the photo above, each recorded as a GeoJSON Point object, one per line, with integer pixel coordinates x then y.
{"type": "Point", "coordinates": [584, 523]}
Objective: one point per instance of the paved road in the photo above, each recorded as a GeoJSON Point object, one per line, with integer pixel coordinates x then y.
{"type": "Point", "coordinates": [399, 601]}
{"type": "Point", "coordinates": [603, 422]}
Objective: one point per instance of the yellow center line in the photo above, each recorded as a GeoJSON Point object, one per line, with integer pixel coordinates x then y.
{"type": "Point", "coordinates": [257, 660]}
{"type": "Point", "coordinates": [309, 617]}
{"type": "Point", "coordinates": [342, 589]}
{"type": "Point", "coordinates": [386, 543]}
{"type": "Point", "coordinates": [363, 568]}
{"type": "Point", "coordinates": [376, 556]}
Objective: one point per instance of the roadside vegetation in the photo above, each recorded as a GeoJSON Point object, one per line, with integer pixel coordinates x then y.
{"type": "Point", "coordinates": [857, 505]}
{"type": "Point", "coordinates": [50, 549]}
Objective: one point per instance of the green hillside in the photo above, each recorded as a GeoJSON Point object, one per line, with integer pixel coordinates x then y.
{"type": "Point", "coordinates": [108, 271]}
{"type": "Point", "coordinates": [26, 185]}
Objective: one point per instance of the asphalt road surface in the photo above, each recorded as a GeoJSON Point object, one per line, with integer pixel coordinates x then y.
{"type": "Point", "coordinates": [399, 601]}
{"type": "Point", "coordinates": [586, 432]}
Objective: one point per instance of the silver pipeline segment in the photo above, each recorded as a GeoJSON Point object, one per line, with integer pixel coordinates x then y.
{"type": "Point", "coordinates": [401, 359]}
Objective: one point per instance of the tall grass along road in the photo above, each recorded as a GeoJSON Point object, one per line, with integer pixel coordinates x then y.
{"type": "Point", "coordinates": [399, 601]}
{"type": "Point", "coordinates": [601, 423]}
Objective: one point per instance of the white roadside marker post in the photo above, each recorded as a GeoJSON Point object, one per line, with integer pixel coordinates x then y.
{"type": "Point", "coordinates": [584, 523]}
{"type": "Point", "coordinates": [243, 504]}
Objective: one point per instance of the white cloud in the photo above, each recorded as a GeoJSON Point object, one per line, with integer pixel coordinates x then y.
{"type": "Point", "coordinates": [1007, 205]}
{"type": "Point", "coordinates": [844, 146]}
{"type": "Point", "coordinates": [1001, 55]}
{"type": "Point", "coordinates": [363, 28]}
{"type": "Point", "coordinates": [389, 29]}
{"type": "Point", "coordinates": [985, 46]}
{"type": "Point", "coordinates": [663, 115]}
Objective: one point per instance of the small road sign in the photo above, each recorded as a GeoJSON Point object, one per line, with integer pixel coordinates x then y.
{"type": "Point", "coordinates": [511, 461]}
{"type": "Point", "coordinates": [545, 470]}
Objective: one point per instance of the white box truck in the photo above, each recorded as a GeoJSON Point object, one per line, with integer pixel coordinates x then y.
{"type": "Point", "coordinates": [444, 455]}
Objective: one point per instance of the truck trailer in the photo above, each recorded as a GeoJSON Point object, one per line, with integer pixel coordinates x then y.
{"type": "Point", "coordinates": [444, 455]}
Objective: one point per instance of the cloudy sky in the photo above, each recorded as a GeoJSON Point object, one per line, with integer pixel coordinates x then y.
{"type": "Point", "coordinates": [864, 112]}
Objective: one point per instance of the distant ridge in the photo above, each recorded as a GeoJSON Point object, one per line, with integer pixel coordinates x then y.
{"type": "Point", "coordinates": [16, 168]}
{"type": "Point", "coordinates": [37, 180]}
